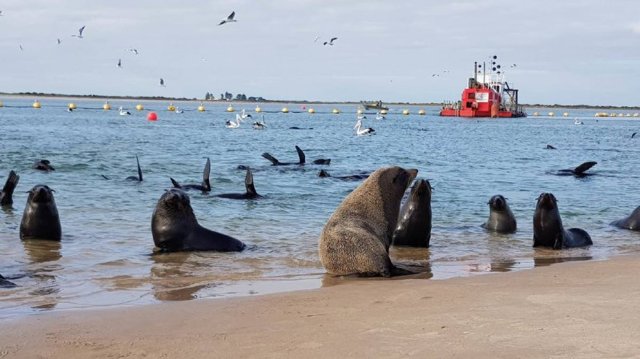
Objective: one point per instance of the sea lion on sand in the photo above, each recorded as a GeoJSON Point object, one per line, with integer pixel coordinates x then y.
{"type": "Point", "coordinates": [548, 230]}
{"type": "Point", "coordinates": [250, 189]}
{"type": "Point", "coordinates": [43, 165]}
{"type": "Point", "coordinates": [6, 196]}
{"type": "Point", "coordinates": [301, 159]}
{"type": "Point", "coordinates": [632, 222]}
{"type": "Point", "coordinates": [501, 219]}
{"type": "Point", "coordinates": [414, 223]}
{"type": "Point", "coordinates": [174, 227]}
{"type": "Point", "coordinates": [40, 219]}
{"type": "Point", "coordinates": [134, 178]}
{"type": "Point", "coordinates": [578, 171]}
{"type": "Point", "coordinates": [357, 236]}
{"type": "Point", "coordinates": [355, 177]}
{"type": "Point", "coordinates": [204, 187]}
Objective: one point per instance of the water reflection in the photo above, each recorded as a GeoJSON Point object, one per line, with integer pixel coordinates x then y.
{"type": "Point", "coordinates": [546, 261]}
{"type": "Point", "coordinates": [43, 256]}
{"type": "Point", "coordinates": [171, 278]}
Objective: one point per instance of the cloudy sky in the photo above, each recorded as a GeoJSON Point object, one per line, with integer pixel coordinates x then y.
{"type": "Point", "coordinates": [568, 52]}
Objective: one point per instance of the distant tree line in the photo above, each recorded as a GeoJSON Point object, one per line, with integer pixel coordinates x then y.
{"type": "Point", "coordinates": [228, 96]}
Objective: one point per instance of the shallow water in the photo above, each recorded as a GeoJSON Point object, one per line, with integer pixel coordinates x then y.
{"type": "Point", "coordinates": [105, 256]}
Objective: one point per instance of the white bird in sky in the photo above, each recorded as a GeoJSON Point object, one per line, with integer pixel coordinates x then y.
{"type": "Point", "coordinates": [135, 51]}
{"type": "Point", "coordinates": [79, 36]}
{"type": "Point", "coordinates": [330, 42]}
{"type": "Point", "coordinates": [230, 18]}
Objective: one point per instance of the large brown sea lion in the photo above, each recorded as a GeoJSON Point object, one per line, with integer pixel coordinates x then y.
{"type": "Point", "coordinates": [357, 236]}
{"type": "Point", "coordinates": [40, 219]}
{"type": "Point", "coordinates": [548, 230]}
{"type": "Point", "coordinates": [632, 222]}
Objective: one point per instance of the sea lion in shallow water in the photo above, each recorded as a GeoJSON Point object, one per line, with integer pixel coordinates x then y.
{"type": "Point", "coordinates": [548, 230]}
{"type": "Point", "coordinates": [6, 196]}
{"type": "Point", "coordinates": [250, 189]}
{"type": "Point", "coordinates": [134, 178]}
{"type": "Point", "coordinates": [43, 165]}
{"type": "Point", "coordinates": [414, 223]}
{"type": "Point", "coordinates": [204, 187]}
{"type": "Point", "coordinates": [40, 219]}
{"type": "Point", "coordinates": [354, 177]}
{"type": "Point", "coordinates": [357, 236]}
{"type": "Point", "coordinates": [579, 171]}
{"type": "Point", "coordinates": [632, 222]}
{"type": "Point", "coordinates": [175, 228]}
{"type": "Point", "coordinates": [302, 159]}
{"type": "Point", "coordinates": [501, 219]}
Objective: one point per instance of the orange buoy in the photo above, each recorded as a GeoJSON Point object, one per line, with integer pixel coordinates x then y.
{"type": "Point", "coordinates": [152, 116]}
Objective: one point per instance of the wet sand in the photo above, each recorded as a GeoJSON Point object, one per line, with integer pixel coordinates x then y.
{"type": "Point", "coordinates": [575, 309]}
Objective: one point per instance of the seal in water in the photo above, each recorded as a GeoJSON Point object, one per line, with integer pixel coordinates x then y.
{"type": "Point", "coordinates": [301, 159]}
{"type": "Point", "coordinates": [549, 147]}
{"type": "Point", "coordinates": [5, 283]}
{"type": "Point", "coordinates": [501, 219]}
{"type": "Point", "coordinates": [632, 222]}
{"type": "Point", "coordinates": [6, 196]}
{"type": "Point", "coordinates": [174, 227]}
{"type": "Point", "coordinates": [414, 223]}
{"type": "Point", "coordinates": [548, 230]}
{"type": "Point", "coordinates": [250, 189]}
{"type": "Point", "coordinates": [579, 171]}
{"type": "Point", "coordinates": [43, 165]}
{"type": "Point", "coordinates": [355, 177]}
{"type": "Point", "coordinates": [357, 236]}
{"type": "Point", "coordinates": [40, 219]}
{"type": "Point", "coordinates": [134, 178]}
{"type": "Point", "coordinates": [204, 187]}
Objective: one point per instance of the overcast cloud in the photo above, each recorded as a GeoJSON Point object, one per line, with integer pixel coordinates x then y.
{"type": "Point", "coordinates": [570, 52]}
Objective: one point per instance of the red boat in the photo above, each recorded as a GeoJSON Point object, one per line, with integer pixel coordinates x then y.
{"type": "Point", "coordinates": [488, 95]}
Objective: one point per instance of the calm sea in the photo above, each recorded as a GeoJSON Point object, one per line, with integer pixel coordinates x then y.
{"type": "Point", "coordinates": [105, 258]}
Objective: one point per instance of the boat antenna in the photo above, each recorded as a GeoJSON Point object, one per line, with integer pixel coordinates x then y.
{"type": "Point", "coordinates": [475, 72]}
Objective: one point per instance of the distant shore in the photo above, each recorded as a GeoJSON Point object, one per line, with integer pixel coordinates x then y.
{"type": "Point", "coordinates": [314, 102]}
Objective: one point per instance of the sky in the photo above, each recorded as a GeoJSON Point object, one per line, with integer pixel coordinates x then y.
{"type": "Point", "coordinates": [565, 52]}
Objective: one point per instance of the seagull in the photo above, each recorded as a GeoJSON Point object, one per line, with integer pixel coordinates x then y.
{"type": "Point", "coordinates": [135, 51]}
{"type": "Point", "coordinates": [21, 49]}
{"type": "Point", "coordinates": [79, 36]}
{"type": "Point", "coordinates": [120, 63]}
{"type": "Point", "coordinates": [0, 12]}
{"type": "Point", "coordinates": [59, 41]}
{"type": "Point", "coordinates": [317, 38]}
{"type": "Point", "coordinates": [230, 18]}
{"type": "Point", "coordinates": [330, 42]}
{"type": "Point", "coordinates": [162, 82]}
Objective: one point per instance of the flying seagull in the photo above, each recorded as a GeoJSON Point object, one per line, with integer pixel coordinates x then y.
{"type": "Point", "coordinates": [120, 63]}
{"type": "Point", "coordinates": [0, 12]}
{"type": "Point", "coordinates": [162, 82]}
{"type": "Point", "coordinates": [79, 36]}
{"type": "Point", "coordinates": [59, 41]}
{"type": "Point", "coordinates": [316, 39]}
{"type": "Point", "coordinates": [230, 18]}
{"type": "Point", "coordinates": [21, 49]}
{"type": "Point", "coordinates": [330, 42]}
{"type": "Point", "coordinates": [135, 51]}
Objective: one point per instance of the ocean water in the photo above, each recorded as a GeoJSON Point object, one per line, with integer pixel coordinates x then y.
{"type": "Point", "coordinates": [105, 257]}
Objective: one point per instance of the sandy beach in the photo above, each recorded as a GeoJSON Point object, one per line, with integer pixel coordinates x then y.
{"type": "Point", "coordinates": [575, 309]}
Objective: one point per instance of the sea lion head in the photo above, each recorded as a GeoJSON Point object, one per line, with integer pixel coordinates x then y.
{"type": "Point", "coordinates": [421, 189]}
{"type": "Point", "coordinates": [498, 203]}
{"type": "Point", "coordinates": [547, 201]}
{"type": "Point", "coordinates": [175, 201]}
{"type": "Point", "coordinates": [40, 194]}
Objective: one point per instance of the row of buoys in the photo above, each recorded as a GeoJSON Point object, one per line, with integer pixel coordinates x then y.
{"type": "Point", "coordinates": [613, 114]}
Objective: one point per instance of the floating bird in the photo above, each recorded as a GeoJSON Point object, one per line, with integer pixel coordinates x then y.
{"type": "Point", "coordinates": [577, 122]}
{"type": "Point", "coordinates": [330, 42]}
{"type": "Point", "coordinates": [120, 63]}
{"type": "Point", "coordinates": [79, 36]}
{"type": "Point", "coordinates": [233, 124]}
{"type": "Point", "coordinates": [162, 82]}
{"type": "Point", "coordinates": [244, 115]}
{"type": "Point", "coordinates": [363, 131]}
{"type": "Point", "coordinates": [135, 51]}
{"type": "Point", "coordinates": [259, 125]}
{"type": "Point", "coordinates": [59, 41]}
{"type": "Point", "coordinates": [230, 18]}
{"type": "Point", "coordinates": [379, 116]}
{"type": "Point", "coordinates": [124, 112]}
{"type": "Point", "coordinates": [179, 110]}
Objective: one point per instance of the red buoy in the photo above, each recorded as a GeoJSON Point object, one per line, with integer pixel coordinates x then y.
{"type": "Point", "coordinates": [152, 116]}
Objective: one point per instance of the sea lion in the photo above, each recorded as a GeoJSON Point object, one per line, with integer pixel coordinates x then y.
{"type": "Point", "coordinates": [250, 189]}
{"type": "Point", "coordinates": [204, 187]}
{"type": "Point", "coordinates": [355, 177]}
{"type": "Point", "coordinates": [174, 227]}
{"type": "Point", "coordinates": [414, 223]}
{"type": "Point", "coordinates": [632, 222]}
{"type": "Point", "coordinates": [501, 219]}
{"type": "Point", "coordinates": [357, 236]}
{"type": "Point", "coordinates": [548, 230]}
{"type": "Point", "coordinates": [134, 178]}
{"type": "Point", "coordinates": [578, 171]}
{"type": "Point", "coordinates": [5, 283]}
{"type": "Point", "coordinates": [6, 196]}
{"type": "Point", "coordinates": [301, 159]}
{"type": "Point", "coordinates": [549, 147]}
{"type": "Point", "coordinates": [40, 219]}
{"type": "Point", "coordinates": [43, 165]}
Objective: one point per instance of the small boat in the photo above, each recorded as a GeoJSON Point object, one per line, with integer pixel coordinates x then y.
{"type": "Point", "coordinates": [374, 105]}
{"type": "Point", "coordinates": [124, 112]}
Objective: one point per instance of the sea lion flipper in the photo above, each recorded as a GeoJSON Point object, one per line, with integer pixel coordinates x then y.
{"type": "Point", "coordinates": [301, 156]}
{"type": "Point", "coordinates": [274, 161]}
{"type": "Point", "coordinates": [139, 169]}
{"type": "Point", "coordinates": [584, 167]}
{"type": "Point", "coordinates": [6, 196]}
{"type": "Point", "coordinates": [175, 183]}
{"type": "Point", "coordinates": [248, 183]}
{"type": "Point", "coordinates": [205, 175]}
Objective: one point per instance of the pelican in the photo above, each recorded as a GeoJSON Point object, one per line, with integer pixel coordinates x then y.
{"type": "Point", "coordinates": [363, 131]}
{"type": "Point", "coordinates": [244, 115]}
{"type": "Point", "coordinates": [577, 122]}
{"type": "Point", "coordinates": [79, 36]}
{"type": "Point", "coordinates": [233, 124]}
{"type": "Point", "coordinates": [179, 110]}
{"type": "Point", "coordinates": [379, 116]}
{"type": "Point", "coordinates": [259, 125]}
{"type": "Point", "coordinates": [229, 18]}
{"type": "Point", "coordinates": [124, 112]}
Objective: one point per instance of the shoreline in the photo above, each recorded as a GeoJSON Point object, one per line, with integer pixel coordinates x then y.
{"type": "Point", "coordinates": [572, 309]}
{"type": "Point", "coordinates": [300, 102]}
